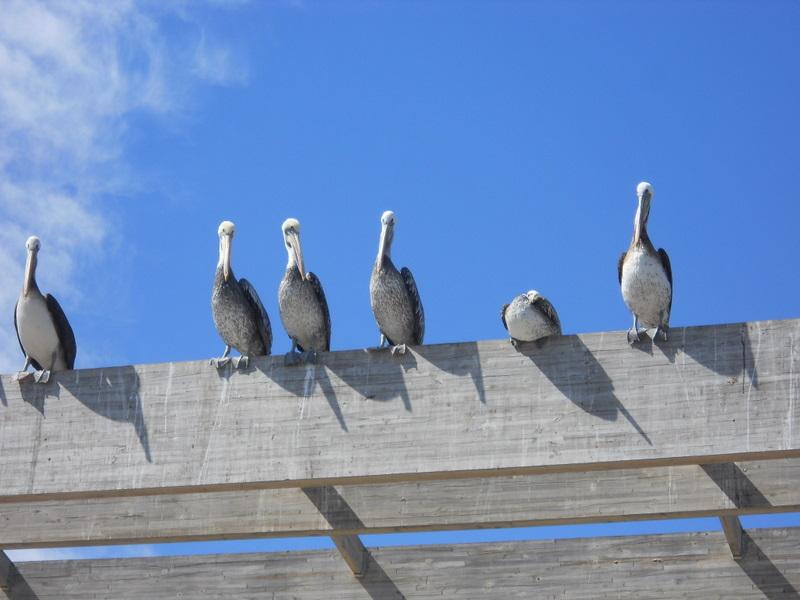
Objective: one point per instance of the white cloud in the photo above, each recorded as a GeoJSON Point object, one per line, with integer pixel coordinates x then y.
{"type": "Point", "coordinates": [82, 553]}
{"type": "Point", "coordinates": [70, 73]}
{"type": "Point", "coordinates": [216, 64]}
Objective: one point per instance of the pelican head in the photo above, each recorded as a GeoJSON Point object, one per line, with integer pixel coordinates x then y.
{"type": "Point", "coordinates": [32, 245]}
{"type": "Point", "coordinates": [533, 296]}
{"type": "Point", "coordinates": [644, 191]}
{"type": "Point", "coordinates": [387, 233]}
{"type": "Point", "coordinates": [291, 237]}
{"type": "Point", "coordinates": [225, 232]}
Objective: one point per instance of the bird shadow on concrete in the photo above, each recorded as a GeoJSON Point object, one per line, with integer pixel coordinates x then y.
{"type": "Point", "coordinates": [112, 394]}
{"type": "Point", "coordinates": [36, 394]}
{"type": "Point", "coordinates": [457, 359]}
{"type": "Point", "coordinates": [301, 379]}
{"type": "Point", "coordinates": [382, 384]}
{"type": "Point", "coordinates": [647, 345]}
{"type": "Point", "coordinates": [590, 388]}
{"type": "Point", "coordinates": [763, 572]}
{"type": "Point", "coordinates": [340, 516]}
{"type": "Point", "coordinates": [734, 361]}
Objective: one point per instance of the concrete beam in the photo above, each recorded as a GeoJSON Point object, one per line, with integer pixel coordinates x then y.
{"type": "Point", "coordinates": [681, 566]}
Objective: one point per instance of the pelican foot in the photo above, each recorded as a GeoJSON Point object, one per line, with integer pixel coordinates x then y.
{"type": "Point", "coordinates": [240, 362]}
{"type": "Point", "coordinates": [633, 335]}
{"type": "Point", "coordinates": [310, 357]}
{"type": "Point", "coordinates": [657, 333]}
{"type": "Point", "coordinates": [41, 376]}
{"type": "Point", "coordinates": [23, 375]}
{"type": "Point", "coordinates": [514, 342]}
{"type": "Point", "coordinates": [399, 349]}
{"type": "Point", "coordinates": [220, 362]}
{"type": "Point", "coordinates": [291, 359]}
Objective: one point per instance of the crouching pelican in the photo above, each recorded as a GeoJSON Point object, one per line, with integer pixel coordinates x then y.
{"type": "Point", "coordinates": [394, 297]}
{"type": "Point", "coordinates": [530, 317]}
{"type": "Point", "coordinates": [303, 307]}
{"type": "Point", "coordinates": [44, 334]}
{"type": "Point", "coordinates": [239, 315]}
{"type": "Point", "coordinates": [645, 276]}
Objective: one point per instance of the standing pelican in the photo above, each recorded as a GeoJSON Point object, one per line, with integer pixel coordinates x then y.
{"type": "Point", "coordinates": [304, 309]}
{"type": "Point", "coordinates": [239, 315]}
{"type": "Point", "coordinates": [44, 334]}
{"type": "Point", "coordinates": [645, 275]}
{"type": "Point", "coordinates": [394, 297]}
{"type": "Point", "coordinates": [530, 317]}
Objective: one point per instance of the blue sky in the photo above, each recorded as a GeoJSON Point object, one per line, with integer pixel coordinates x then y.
{"type": "Point", "coordinates": [508, 137]}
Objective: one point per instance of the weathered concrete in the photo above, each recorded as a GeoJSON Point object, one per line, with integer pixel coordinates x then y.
{"type": "Point", "coordinates": [711, 394]}
{"type": "Point", "coordinates": [546, 499]}
{"type": "Point", "coordinates": [687, 566]}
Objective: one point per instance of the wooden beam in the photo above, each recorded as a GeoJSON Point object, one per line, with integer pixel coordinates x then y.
{"type": "Point", "coordinates": [687, 566]}
{"type": "Point", "coordinates": [547, 499]}
{"type": "Point", "coordinates": [734, 534]}
{"type": "Point", "coordinates": [711, 394]}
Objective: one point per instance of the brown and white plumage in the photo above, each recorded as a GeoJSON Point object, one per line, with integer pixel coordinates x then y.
{"type": "Point", "coordinates": [239, 315]}
{"type": "Point", "coordinates": [645, 275]}
{"type": "Point", "coordinates": [43, 331]}
{"type": "Point", "coordinates": [530, 317]}
{"type": "Point", "coordinates": [394, 297]}
{"type": "Point", "coordinates": [303, 306]}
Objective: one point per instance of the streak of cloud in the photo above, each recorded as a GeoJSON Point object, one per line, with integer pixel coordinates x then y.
{"type": "Point", "coordinates": [71, 73]}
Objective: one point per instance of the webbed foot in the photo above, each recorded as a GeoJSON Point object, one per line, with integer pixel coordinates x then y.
{"type": "Point", "coordinates": [23, 375]}
{"type": "Point", "coordinates": [633, 335]}
{"type": "Point", "coordinates": [240, 362]}
{"type": "Point", "coordinates": [220, 362]}
{"type": "Point", "coordinates": [399, 349]}
{"type": "Point", "coordinates": [514, 342]}
{"type": "Point", "coordinates": [310, 357]}
{"type": "Point", "coordinates": [660, 332]}
{"type": "Point", "coordinates": [42, 376]}
{"type": "Point", "coordinates": [291, 359]}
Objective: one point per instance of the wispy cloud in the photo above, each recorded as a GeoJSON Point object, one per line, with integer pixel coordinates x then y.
{"type": "Point", "coordinates": [70, 75]}
{"type": "Point", "coordinates": [84, 553]}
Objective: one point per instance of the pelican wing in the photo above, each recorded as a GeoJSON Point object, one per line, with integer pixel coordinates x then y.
{"type": "Point", "coordinates": [619, 265]}
{"type": "Point", "coordinates": [66, 336]}
{"type": "Point", "coordinates": [323, 302]}
{"type": "Point", "coordinates": [668, 270]}
{"type": "Point", "coordinates": [264, 326]}
{"type": "Point", "coordinates": [544, 305]}
{"type": "Point", "coordinates": [503, 315]}
{"type": "Point", "coordinates": [416, 304]}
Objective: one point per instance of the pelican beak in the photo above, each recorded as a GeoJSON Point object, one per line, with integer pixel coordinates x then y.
{"type": "Point", "coordinates": [30, 270]}
{"type": "Point", "coordinates": [642, 212]}
{"type": "Point", "coordinates": [297, 251]}
{"type": "Point", "coordinates": [225, 254]}
{"type": "Point", "coordinates": [385, 239]}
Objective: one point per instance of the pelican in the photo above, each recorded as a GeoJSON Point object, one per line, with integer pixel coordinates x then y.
{"type": "Point", "coordinates": [394, 297]}
{"type": "Point", "coordinates": [239, 315]}
{"type": "Point", "coordinates": [530, 317]}
{"type": "Point", "coordinates": [304, 309]}
{"type": "Point", "coordinates": [44, 334]}
{"type": "Point", "coordinates": [645, 276]}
